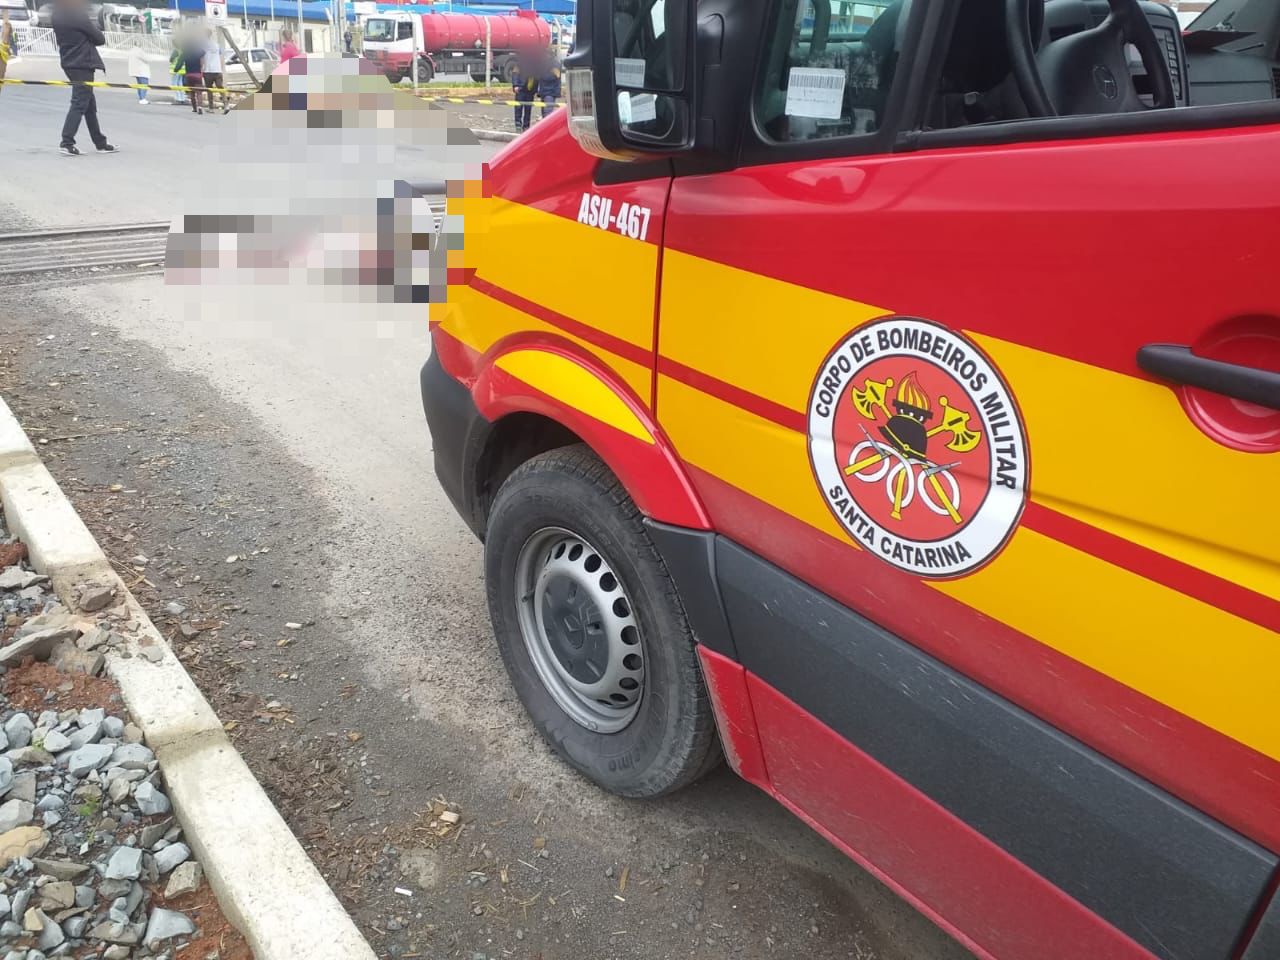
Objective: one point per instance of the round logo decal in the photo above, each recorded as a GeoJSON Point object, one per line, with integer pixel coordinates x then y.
{"type": "Point", "coordinates": [918, 446]}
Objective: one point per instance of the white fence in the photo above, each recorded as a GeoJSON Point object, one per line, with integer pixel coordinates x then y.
{"type": "Point", "coordinates": [38, 42]}
{"type": "Point", "coordinates": [148, 42]}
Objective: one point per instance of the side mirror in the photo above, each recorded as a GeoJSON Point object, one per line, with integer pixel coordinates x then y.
{"type": "Point", "coordinates": [631, 77]}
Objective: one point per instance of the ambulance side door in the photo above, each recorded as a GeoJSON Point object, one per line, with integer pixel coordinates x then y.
{"type": "Point", "coordinates": [975, 557]}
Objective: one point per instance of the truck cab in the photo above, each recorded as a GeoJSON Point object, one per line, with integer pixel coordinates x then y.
{"type": "Point", "coordinates": [871, 430]}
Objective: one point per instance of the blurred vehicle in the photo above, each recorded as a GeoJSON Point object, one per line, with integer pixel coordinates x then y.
{"type": "Point", "coordinates": [119, 16]}
{"type": "Point", "coordinates": [21, 18]}
{"type": "Point", "coordinates": [234, 73]}
{"type": "Point", "coordinates": [44, 15]}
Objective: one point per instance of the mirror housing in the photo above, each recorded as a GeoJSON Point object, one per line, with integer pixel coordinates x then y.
{"type": "Point", "coordinates": [632, 76]}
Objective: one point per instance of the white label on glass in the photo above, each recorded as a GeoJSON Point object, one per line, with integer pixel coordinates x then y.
{"type": "Point", "coordinates": [644, 106]}
{"type": "Point", "coordinates": [629, 72]}
{"type": "Point", "coordinates": [658, 18]}
{"type": "Point", "coordinates": [815, 92]}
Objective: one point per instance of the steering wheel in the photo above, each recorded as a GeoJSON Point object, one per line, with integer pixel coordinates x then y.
{"type": "Point", "coordinates": [1086, 72]}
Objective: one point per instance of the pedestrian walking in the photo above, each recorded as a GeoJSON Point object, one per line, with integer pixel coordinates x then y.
{"type": "Point", "coordinates": [78, 41]}
{"type": "Point", "coordinates": [177, 78]}
{"type": "Point", "coordinates": [346, 39]}
{"type": "Point", "coordinates": [140, 70]}
{"type": "Point", "coordinates": [549, 85]}
{"type": "Point", "coordinates": [192, 46]}
{"type": "Point", "coordinates": [213, 69]}
{"type": "Point", "coordinates": [288, 49]}
{"type": "Point", "coordinates": [524, 82]}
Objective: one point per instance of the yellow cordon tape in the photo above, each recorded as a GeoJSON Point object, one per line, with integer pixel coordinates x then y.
{"type": "Point", "coordinates": [122, 86]}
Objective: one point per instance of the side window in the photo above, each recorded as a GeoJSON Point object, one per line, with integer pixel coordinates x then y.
{"type": "Point", "coordinates": [1080, 58]}
{"type": "Point", "coordinates": [404, 30]}
{"type": "Point", "coordinates": [828, 68]}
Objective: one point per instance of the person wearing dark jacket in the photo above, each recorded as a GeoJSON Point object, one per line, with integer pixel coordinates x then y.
{"type": "Point", "coordinates": [192, 46]}
{"type": "Point", "coordinates": [78, 41]}
{"type": "Point", "coordinates": [549, 85]}
{"type": "Point", "coordinates": [524, 80]}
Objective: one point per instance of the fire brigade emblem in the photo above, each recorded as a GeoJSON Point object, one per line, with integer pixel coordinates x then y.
{"type": "Point", "coordinates": [918, 447]}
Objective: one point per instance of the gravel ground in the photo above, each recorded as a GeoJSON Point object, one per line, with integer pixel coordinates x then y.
{"type": "Point", "coordinates": [92, 863]}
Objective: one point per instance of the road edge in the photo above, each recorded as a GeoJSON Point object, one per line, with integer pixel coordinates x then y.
{"type": "Point", "coordinates": [265, 882]}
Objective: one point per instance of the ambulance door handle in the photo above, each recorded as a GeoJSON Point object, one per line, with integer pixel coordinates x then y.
{"type": "Point", "coordinates": [1177, 363]}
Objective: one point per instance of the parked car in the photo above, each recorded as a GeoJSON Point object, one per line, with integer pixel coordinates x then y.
{"type": "Point", "coordinates": [262, 60]}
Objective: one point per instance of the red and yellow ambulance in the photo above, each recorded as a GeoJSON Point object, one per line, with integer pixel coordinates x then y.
{"type": "Point", "coordinates": [887, 396]}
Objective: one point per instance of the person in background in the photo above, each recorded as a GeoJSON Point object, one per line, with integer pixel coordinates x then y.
{"type": "Point", "coordinates": [176, 71]}
{"type": "Point", "coordinates": [288, 49]}
{"type": "Point", "coordinates": [6, 42]}
{"type": "Point", "coordinates": [549, 85]}
{"type": "Point", "coordinates": [346, 38]}
{"type": "Point", "coordinates": [193, 64]}
{"type": "Point", "coordinates": [78, 41]}
{"type": "Point", "coordinates": [213, 68]}
{"type": "Point", "coordinates": [140, 70]}
{"type": "Point", "coordinates": [523, 83]}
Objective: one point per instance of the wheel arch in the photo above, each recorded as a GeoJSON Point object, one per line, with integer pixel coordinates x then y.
{"type": "Point", "coordinates": [536, 393]}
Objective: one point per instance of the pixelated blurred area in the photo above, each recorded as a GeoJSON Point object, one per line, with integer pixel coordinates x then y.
{"type": "Point", "coordinates": [332, 188]}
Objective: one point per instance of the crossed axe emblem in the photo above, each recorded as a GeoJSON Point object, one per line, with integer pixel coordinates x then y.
{"type": "Point", "coordinates": [955, 422]}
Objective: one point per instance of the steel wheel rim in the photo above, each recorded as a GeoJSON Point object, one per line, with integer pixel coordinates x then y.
{"type": "Point", "coordinates": [579, 628]}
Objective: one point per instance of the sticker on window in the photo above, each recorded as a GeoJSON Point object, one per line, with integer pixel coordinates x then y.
{"type": "Point", "coordinates": [628, 71]}
{"type": "Point", "coordinates": [637, 107]}
{"type": "Point", "coordinates": [816, 92]}
{"type": "Point", "coordinates": [658, 18]}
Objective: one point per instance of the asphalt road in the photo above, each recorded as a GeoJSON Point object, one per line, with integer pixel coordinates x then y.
{"type": "Point", "coordinates": [275, 467]}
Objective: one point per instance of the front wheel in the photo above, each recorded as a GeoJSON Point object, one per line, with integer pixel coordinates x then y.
{"type": "Point", "coordinates": [591, 630]}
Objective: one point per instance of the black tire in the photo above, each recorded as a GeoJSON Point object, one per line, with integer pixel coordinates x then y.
{"type": "Point", "coordinates": [671, 741]}
{"type": "Point", "coordinates": [507, 70]}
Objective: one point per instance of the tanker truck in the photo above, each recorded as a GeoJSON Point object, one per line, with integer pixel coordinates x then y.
{"type": "Point", "coordinates": [449, 43]}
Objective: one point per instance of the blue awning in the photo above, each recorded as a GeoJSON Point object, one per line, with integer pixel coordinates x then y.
{"type": "Point", "coordinates": [313, 11]}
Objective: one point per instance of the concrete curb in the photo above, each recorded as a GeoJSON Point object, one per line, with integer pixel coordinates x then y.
{"type": "Point", "coordinates": [265, 882]}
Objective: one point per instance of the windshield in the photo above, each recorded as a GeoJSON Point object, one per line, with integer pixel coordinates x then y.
{"type": "Point", "coordinates": [379, 30]}
{"type": "Point", "coordinates": [1247, 16]}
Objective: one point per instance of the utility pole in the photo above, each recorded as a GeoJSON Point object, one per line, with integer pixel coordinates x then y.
{"type": "Point", "coordinates": [488, 53]}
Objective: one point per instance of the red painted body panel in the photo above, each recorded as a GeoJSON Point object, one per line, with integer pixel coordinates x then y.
{"type": "Point", "coordinates": [987, 232]}
{"type": "Point", "coordinates": [997, 251]}
{"type": "Point", "coordinates": [735, 718]}
{"type": "Point", "coordinates": [1224, 778]}
{"type": "Point", "coordinates": [1053, 246]}
{"type": "Point", "coordinates": [982, 896]}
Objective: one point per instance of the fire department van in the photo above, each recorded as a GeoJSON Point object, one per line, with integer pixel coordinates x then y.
{"type": "Point", "coordinates": [873, 429]}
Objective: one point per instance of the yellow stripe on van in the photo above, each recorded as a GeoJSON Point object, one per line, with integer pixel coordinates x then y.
{"type": "Point", "coordinates": [594, 276]}
{"type": "Point", "coordinates": [480, 322]}
{"type": "Point", "coordinates": [1187, 654]}
{"type": "Point", "coordinates": [574, 385]}
{"type": "Point", "coordinates": [1119, 453]}
{"type": "Point", "coordinates": [763, 335]}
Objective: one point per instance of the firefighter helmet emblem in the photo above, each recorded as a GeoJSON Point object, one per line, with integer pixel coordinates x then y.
{"type": "Point", "coordinates": [918, 447]}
